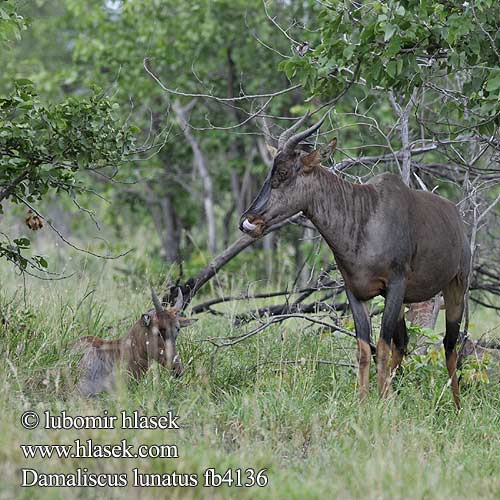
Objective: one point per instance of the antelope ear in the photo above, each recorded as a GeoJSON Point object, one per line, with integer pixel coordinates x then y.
{"type": "Point", "coordinates": [146, 319]}
{"type": "Point", "coordinates": [314, 159]}
{"type": "Point", "coordinates": [186, 321]}
{"type": "Point", "coordinates": [272, 150]}
{"type": "Point", "coordinates": [311, 161]}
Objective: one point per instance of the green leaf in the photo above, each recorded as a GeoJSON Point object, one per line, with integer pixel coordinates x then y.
{"type": "Point", "coordinates": [389, 30]}
{"type": "Point", "coordinates": [42, 262]}
{"type": "Point", "coordinates": [288, 67]}
{"type": "Point", "coordinates": [391, 68]}
{"type": "Point", "coordinates": [348, 51]}
{"type": "Point", "coordinates": [23, 82]}
{"type": "Point", "coordinates": [394, 47]}
{"type": "Point", "coordinates": [22, 242]}
{"type": "Point", "coordinates": [493, 82]}
{"type": "Point", "coordinates": [399, 66]}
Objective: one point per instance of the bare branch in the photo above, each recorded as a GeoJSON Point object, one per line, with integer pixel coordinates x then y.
{"type": "Point", "coordinates": [192, 285]}
{"type": "Point", "coordinates": [4, 193]}
{"type": "Point", "coordinates": [236, 339]}
{"type": "Point", "coordinates": [147, 67]}
{"type": "Point", "coordinates": [72, 245]}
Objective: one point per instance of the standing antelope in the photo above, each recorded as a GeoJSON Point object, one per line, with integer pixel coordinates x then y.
{"type": "Point", "coordinates": [387, 239]}
{"type": "Point", "coordinates": [152, 338]}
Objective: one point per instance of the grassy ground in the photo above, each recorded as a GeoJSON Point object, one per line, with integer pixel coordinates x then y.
{"type": "Point", "coordinates": [284, 401]}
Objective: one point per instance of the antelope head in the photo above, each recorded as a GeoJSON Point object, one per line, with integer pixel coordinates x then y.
{"type": "Point", "coordinates": [165, 324]}
{"type": "Point", "coordinates": [288, 186]}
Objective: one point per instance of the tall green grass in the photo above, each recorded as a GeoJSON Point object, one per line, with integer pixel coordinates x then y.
{"type": "Point", "coordinates": [285, 400]}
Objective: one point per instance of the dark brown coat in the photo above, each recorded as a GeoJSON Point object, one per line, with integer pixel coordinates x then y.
{"type": "Point", "coordinates": [387, 239]}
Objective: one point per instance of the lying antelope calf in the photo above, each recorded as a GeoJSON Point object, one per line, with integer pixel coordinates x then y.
{"type": "Point", "coordinates": [152, 338]}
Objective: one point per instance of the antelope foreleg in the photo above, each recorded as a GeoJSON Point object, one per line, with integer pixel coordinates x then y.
{"type": "Point", "coordinates": [363, 334]}
{"type": "Point", "coordinates": [391, 318]}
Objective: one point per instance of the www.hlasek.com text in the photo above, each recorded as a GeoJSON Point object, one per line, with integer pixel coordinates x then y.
{"type": "Point", "coordinates": [90, 449]}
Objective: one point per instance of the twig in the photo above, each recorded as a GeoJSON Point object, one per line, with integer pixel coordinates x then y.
{"type": "Point", "coordinates": [147, 67]}
{"type": "Point", "coordinates": [192, 285]}
{"type": "Point", "coordinates": [72, 245]}
{"type": "Point", "coordinates": [236, 339]}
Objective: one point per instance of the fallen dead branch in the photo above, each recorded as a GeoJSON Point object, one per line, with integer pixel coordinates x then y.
{"type": "Point", "coordinates": [283, 309]}
{"type": "Point", "coordinates": [207, 306]}
{"type": "Point", "coordinates": [236, 339]}
{"type": "Point", "coordinates": [301, 362]}
{"type": "Point", "coordinates": [192, 285]}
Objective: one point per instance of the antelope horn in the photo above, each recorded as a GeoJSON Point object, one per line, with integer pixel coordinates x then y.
{"type": "Point", "coordinates": [156, 302]}
{"type": "Point", "coordinates": [286, 134]}
{"type": "Point", "coordinates": [179, 301]}
{"type": "Point", "coordinates": [292, 141]}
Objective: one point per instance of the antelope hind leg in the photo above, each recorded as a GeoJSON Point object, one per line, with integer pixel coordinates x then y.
{"type": "Point", "coordinates": [399, 343]}
{"type": "Point", "coordinates": [454, 304]}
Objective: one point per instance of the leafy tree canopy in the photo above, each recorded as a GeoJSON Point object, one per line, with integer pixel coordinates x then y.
{"type": "Point", "coordinates": [400, 45]}
{"type": "Point", "coordinates": [47, 146]}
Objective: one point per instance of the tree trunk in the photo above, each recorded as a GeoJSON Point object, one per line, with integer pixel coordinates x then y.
{"type": "Point", "coordinates": [202, 167]}
{"type": "Point", "coordinates": [227, 224]}
{"type": "Point", "coordinates": [425, 314]}
{"type": "Point", "coordinates": [268, 245]}
{"type": "Point", "coordinates": [171, 239]}
{"type": "Point", "coordinates": [403, 115]}
{"type": "Point", "coordinates": [166, 223]}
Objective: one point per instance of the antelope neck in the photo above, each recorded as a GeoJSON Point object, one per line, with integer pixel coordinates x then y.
{"type": "Point", "coordinates": [340, 211]}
